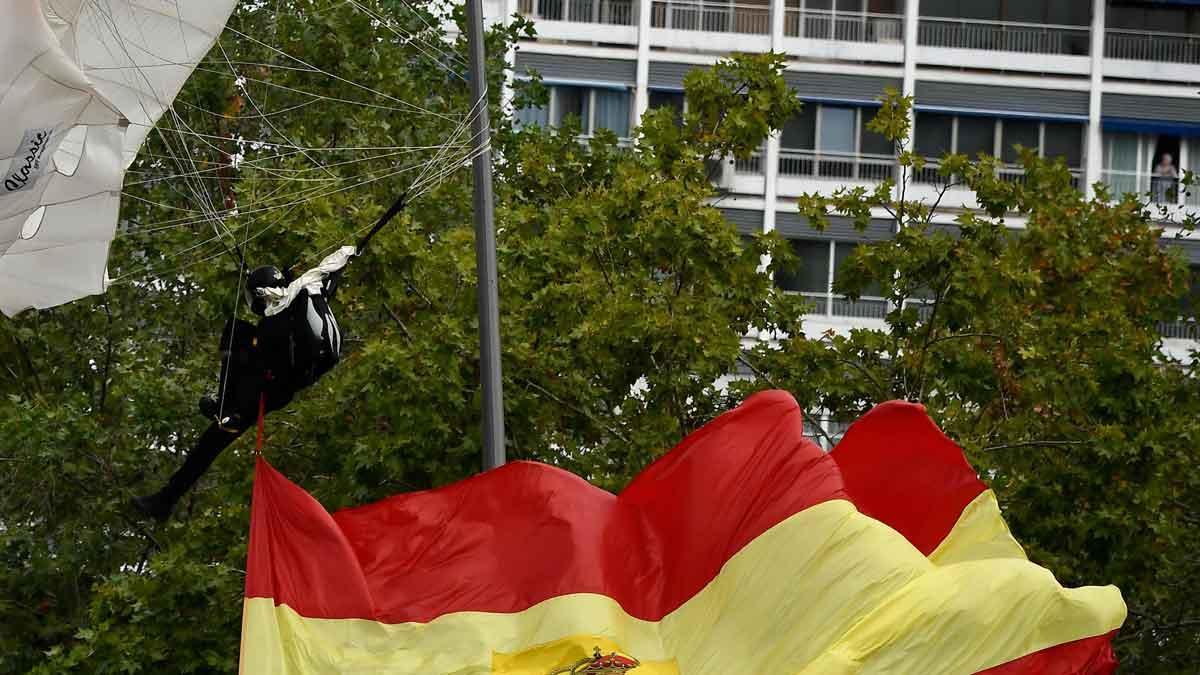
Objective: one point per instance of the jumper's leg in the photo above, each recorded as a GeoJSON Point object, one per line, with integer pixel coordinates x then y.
{"type": "Point", "coordinates": [211, 443]}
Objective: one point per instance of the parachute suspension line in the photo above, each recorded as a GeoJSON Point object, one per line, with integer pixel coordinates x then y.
{"type": "Point", "coordinates": [412, 107]}
{"type": "Point", "coordinates": [199, 192]}
{"type": "Point", "coordinates": [435, 171]}
{"type": "Point", "coordinates": [293, 205]}
{"type": "Point", "coordinates": [417, 40]}
{"type": "Point", "coordinates": [449, 157]}
{"type": "Point", "coordinates": [246, 92]}
{"type": "Point", "coordinates": [237, 301]}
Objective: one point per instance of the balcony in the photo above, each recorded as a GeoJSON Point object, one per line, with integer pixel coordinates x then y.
{"type": "Point", "coordinates": [817, 24]}
{"type": "Point", "coordinates": [1180, 329]}
{"type": "Point", "coordinates": [1162, 190]}
{"type": "Point", "coordinates": [750, 166]}
{"type": "Point", "coordinates": [836, 166]}
{"type": "Point", "coordinates": [710, 26]}
{"type": "Point", "coordinates": [713, 17]}
{"type": "Point", "coordinates": [852, 36]}
{"type": "Point", "coordinates": [613, 21]}
{"type": "Point", "coordinates": [966, 43]}
{"type": "Point", "coordinates": [615, 12]}
{"type": "Point", "coordinates": [1146, 46]}
{"type": "Point", "coordinates": [832, 305]}
{"type": "Point", "coordinates": [1129, 53]}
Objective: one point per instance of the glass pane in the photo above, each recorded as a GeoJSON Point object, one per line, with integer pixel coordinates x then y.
{"type": "Point", "coordinates": [841, 254]}
{"type": "Point", "coordinates": [976, 135]}
{"type": "Point", "coordinates": [539, 116]}
{"type": "Point", "coordinates": [818, 4]}
{"type": "Point", "coordinates": [1165, 19]}
{"type": "Point", "coordinates": [612, 111]}
{"type": "Point", "coordinates": [871, 143]}
{"type": "Point", "coordinates": [939, 8]}
{"type": "Point", "coordinates": [837, 129]}
{"type": "Point", "coordinates": [1132, 18]}
{"type": "Point", "coordinates": [987, 10]}
{"type": "Point", "coordinates": [933, 134]}
{"type": "Point", "coordinates": [1065, 139]}
{"type": "Point", "coordinates": [799, 132]}
{"type": "Point", "coordinates": [811, 274]}
{"type": "Point", "coordinates": [668, 99]}
{"type": "Point", "coordinates": [1122, 152]}
{"type": "Point", "coordinates": [885, 6]}
{"type": "Point", "coordinates": [1014, 132]}
{"type": "Point", "coordinates": [1069, 12]}
{"type": "Point", "coordinates": [570, 101]}
{"type": "Point", "coordinates": [1029, 11]}
{"type": "Point", "coordinates": [849, 5]}
{"type": "Point", "coordinates": [1189, 304]}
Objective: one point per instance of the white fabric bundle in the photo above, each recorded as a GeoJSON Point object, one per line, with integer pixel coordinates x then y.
{"type": "Point", "coordinates": [278, 299]}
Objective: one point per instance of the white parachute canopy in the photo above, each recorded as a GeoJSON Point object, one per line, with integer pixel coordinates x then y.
{"type": "Point", "coordinates": [81, 85]}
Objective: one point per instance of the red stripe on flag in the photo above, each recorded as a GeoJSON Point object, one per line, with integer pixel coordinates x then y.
{"type": "Point", "coordinates": [1090, 656]}
{"type": "Point", "coordinates": [899, 468]}
{"type": "Point", "coordinates": [516, 536]}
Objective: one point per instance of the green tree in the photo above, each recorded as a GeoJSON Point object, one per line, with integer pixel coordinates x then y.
{"type": "Point", "coordinates": [624, 296]}
{"type": "Point", "coordinates": [1036, 348]}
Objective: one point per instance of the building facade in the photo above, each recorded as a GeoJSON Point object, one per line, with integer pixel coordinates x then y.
{"type": "Point", "coordinates": [1112, 87]}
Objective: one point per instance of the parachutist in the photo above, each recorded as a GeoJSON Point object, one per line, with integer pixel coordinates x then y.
{"type": "Point", "coordinates": [263, 365]}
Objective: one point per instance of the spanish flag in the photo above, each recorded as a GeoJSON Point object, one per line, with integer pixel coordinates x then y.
{"type": "Point", "coordinates": [745, 550]}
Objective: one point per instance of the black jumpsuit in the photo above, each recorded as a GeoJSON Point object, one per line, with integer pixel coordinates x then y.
{"type": "Point", "coordinates": [280, 356]}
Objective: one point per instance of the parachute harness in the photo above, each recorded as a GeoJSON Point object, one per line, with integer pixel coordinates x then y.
{"type": "Point", "coordinates": [261, 439]}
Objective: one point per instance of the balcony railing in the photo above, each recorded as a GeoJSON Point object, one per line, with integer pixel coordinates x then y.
{"type": "Point", "coordinates": [1006, 36]}
{"type": "Point", "coordinates": [714, 17]}
{"type": "Point", "coordinates": [751, 166]}
{"type": "Point", "coordinates": [1013, 173]}
{"type": "Point", "coordinates": [831, 304]}
{"type": "Point", "coordinates": [930, 174]}
{"type": "Point", "coordinates": [857, 27]}
{"type": "Point", "coordinates": [1161, 189]}
{"type": "Point", "coordinates": [836, 166]}
{"type": "Point", "coordinates": [616, 12]}
{"type": "Point", "coordinates": [1180, 329]}
{"type": "Point", "coordinates": [1147, 46]}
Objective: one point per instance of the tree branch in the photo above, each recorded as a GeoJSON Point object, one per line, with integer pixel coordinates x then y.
{"type": "Point", "coordinates": [814, 423]}
{"type": "Point", "coordinates": [1030, 444]}
{"type": "Point", "coordinates": [545, 392]}
{"type": "Point", "coordinates": [399, 322]}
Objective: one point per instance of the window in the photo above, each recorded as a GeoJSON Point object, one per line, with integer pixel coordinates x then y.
{"type": "Point", "coordinates": [1018, 132]}
{"type": "Point", "coordinates": [934, 134]}
{"type": "Point", "coordinates": [668, 99]}
{"type": "Point", "coordinates": [1065, 140]}
{"type": "Point", "coordinates": [811, 273]}
{"type": "Point", "coordinates": [1067, 12]}
{"type": "Point", "coordinates": [976, 135]}
{"type": "Point", "coordinates": [569, 101]}
{"type": "Point", "coordinates": [838, 129]}
{"type": "Point", "coordinates": [871, 143]}
{"type": "Point", "coordinates": [612, 111]}
{"type": "Point", "coordinates": [800, 132]}
{"type": "Point", "coordinates": [1128, 15]}
{"type": "Point", "coordinates": [1189, 304]}
{"type": "Point", "coordinates": [539, 116]}
{"type": "Point", "coordinates": [841, 253]}
{"type": "Point", "coordinates": [594, 108]}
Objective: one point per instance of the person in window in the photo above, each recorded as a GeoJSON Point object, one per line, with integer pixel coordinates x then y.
{"type": "Point", "coordinates": [1162, 184]}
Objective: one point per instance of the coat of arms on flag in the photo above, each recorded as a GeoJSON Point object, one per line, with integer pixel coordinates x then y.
{"type": "Point", "coordinates": [744, 550]}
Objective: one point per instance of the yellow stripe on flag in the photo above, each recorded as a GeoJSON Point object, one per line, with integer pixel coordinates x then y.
{"type": "Point", "coordinates": [856, 595]}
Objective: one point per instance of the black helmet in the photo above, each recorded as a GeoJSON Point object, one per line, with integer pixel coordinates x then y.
{"type": "Point", "coordinates": [262, 277]}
